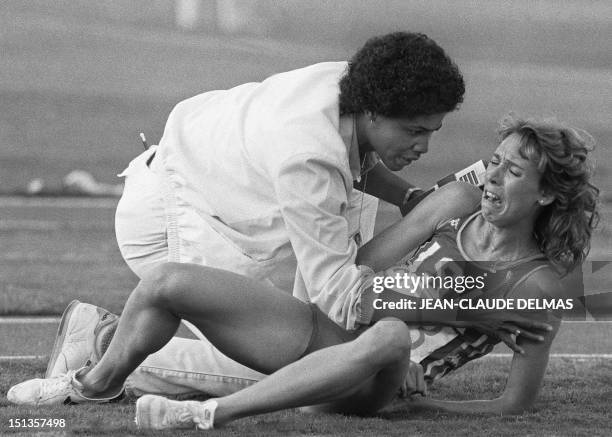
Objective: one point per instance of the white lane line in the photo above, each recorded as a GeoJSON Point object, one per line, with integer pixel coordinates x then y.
{"type": "Point", "coordinates": [22, 357]}
{"type": "Point", "coordinates": [585, 321]}
{"type": "Point", "coordinates": [568, 356]}
{"type": "Point", "coordinates": [52, 225]}
{"type": "Point", "coordinates": [58, 202]}
{"type": "Point", "coordinates": [573, 356]}
{"type": "Point", "coordinates": [44, 319]}
{"type": "Point", "coordinates": [27, 320]}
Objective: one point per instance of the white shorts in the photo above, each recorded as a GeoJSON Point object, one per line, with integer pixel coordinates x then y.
{"type": "Point", "coordinates": [140, 219]}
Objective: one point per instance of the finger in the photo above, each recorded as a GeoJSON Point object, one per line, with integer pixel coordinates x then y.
{"type": "Point", "coordinates": [422, 385]}
{"type": "Point", "coordinates": [513, 329]}
{"type": "Point", "coordinates": [415, 379]}
{"type": "Point", "coordinates": [409, 380]}
{"type": "Point", "coordinates": [528, 335]}
{"type": "Point", "coordinates": [418, 377]}
{"type": "Point", "coordinates": [529, 324]}
{"type": "Point", "coordinates": [510, 341]}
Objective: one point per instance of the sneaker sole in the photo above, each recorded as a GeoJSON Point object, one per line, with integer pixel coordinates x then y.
{"type": "Point", "coordinates": [60, 336]}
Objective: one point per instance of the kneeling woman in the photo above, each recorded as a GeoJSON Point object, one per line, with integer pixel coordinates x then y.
{"type": "Point", "coordinates": [533, 220]}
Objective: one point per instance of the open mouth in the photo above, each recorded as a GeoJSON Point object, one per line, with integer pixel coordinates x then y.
{"type": "Point", "coordinates": [492, 198]}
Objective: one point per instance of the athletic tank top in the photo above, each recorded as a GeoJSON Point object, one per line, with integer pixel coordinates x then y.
{"type": "Point", "coordinates": [440, 349]}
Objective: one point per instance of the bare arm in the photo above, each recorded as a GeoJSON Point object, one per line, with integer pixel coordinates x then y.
{"type": "Point", "coordinates": [527, 370]}
{"type": "Point", "coordinates": [384, 184]}
{"type": "Point", "coordinates": [521, 390]}
{"type": "Point", "coordinates": [398, 240]}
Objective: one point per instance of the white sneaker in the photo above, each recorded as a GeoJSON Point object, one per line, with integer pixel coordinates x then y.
{"type": "Point", "coordinates": [77, 341]}
{"type": "Point", "coordinates": [60, 390]}
{"type": "Point", "coordinates": [157, 412]}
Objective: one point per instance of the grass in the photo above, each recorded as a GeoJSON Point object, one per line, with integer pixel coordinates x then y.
{"type": "Point", "coordinates": [574, 401]}
{"type": "Point", "coordinates": [77, 88]}
{"type": "Point", "coordinates": [76, 257]}
{"type": "Point", "coordinates": [44, 270]}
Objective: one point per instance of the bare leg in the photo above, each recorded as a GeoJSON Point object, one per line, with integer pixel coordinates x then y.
{"type": "Point", "coordinates": [360, 377]}
{"type": "Point", "coordinates": [263, 328]}
{"type": "Point", "coordinates": [257, 325]}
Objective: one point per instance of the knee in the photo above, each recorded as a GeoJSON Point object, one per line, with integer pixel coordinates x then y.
{"type": "Point", "coordinates": [162, 282]}
{"type": "Point", "coordinates": [387, 342]}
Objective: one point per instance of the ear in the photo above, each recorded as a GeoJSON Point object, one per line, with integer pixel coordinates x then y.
{"type": "Point", "coordinates": [371, 116]}
{"type": "Point", "coordinates": [545, 198]}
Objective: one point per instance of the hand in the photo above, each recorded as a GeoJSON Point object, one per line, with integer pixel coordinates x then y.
{"type": "Point", "coordinates": [506, 326]}
{"type": "Point", "coordinates": [413, 196]}
{"type": "Point", "coordinates": [414, 382]}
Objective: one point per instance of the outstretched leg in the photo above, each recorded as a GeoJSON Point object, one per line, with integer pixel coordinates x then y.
{"type": "Point", "coordinates": [265, 329]}
{"type": "Point", "coordinates": [255, 324]}
{"type": "Point", "coordinates": [359, 377]}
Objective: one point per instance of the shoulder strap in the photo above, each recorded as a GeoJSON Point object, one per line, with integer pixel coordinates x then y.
{"type": "Point", "coordinates": [523, 271]}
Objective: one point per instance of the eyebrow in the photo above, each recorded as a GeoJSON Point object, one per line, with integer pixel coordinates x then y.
{"type": "Point", "coordinates": [426, 128]}
{"type": "Point", "coordinates": [496, 155]}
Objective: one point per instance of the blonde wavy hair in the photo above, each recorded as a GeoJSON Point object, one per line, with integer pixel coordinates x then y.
{"type": "Point", "coordinates": [561, 153]}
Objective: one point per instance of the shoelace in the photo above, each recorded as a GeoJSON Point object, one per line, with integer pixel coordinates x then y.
{"type": "Point", "coordinates": [178, 416]}
{"type": "Point", "coordinates": [51, 386]}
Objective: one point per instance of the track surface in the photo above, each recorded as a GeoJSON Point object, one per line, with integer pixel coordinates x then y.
{"type": "Point", "coordinates": [28, 338]}
{"type": "Point", "coordinates": [79, 217]}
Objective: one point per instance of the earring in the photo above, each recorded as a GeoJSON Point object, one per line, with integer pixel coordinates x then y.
{"type": "Point", "coordinates": [372, 118]}
{"type": "Point", "coordinates": [541, 201]}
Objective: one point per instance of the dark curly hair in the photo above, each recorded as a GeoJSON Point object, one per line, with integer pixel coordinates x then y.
{"type": "Point", "coordinates": [563, 229]}
{"type": "Point", "coordinates": [401, 74]}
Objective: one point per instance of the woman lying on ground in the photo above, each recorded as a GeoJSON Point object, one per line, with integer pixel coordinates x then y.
{"type": "Point", "coordinates": [533, 220]}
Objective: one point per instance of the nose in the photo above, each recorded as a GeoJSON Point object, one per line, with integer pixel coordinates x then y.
{"type": "Point", "coordinates": [494, 174]}
{"type": "Point", "coordinates": [422, 145]}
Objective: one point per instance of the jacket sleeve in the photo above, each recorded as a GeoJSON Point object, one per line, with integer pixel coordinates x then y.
{"type": "Point", "coordinates": [312, 193]}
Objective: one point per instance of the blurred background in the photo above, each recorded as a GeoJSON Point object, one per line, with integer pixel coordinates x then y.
{"type": "Point", "coordinates": [80, 79]}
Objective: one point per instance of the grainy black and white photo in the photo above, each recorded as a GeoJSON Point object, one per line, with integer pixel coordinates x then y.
{"type": "Point", "coordinates": [279, 217]}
